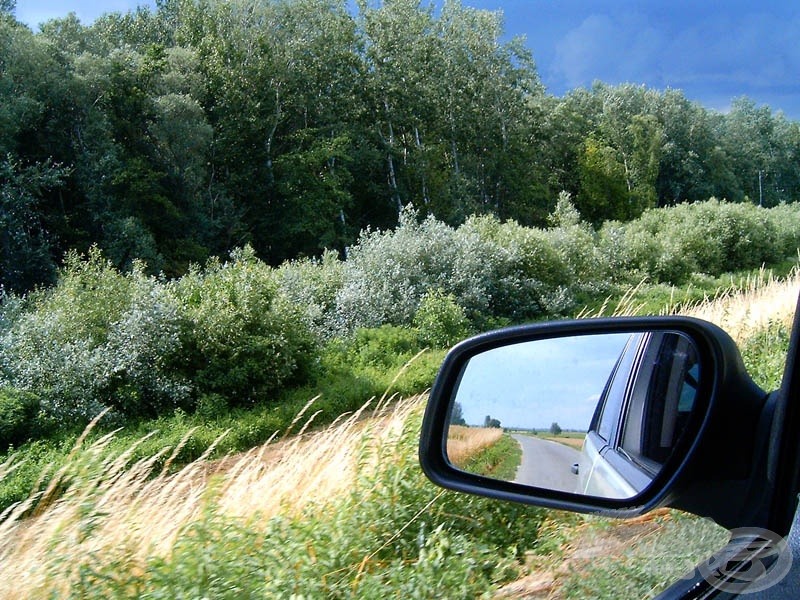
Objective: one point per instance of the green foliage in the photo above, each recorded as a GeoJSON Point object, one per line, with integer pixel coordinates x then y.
{"type": "Point", "coordinates": [488, 268]}
{"type": "Point", "coordinates": [25, 259]}
{"type": "Point", "coordinates": [239, 338]}
{"type": "Point", "coordinates": [144, 346]}
{"type": "Point", "coordinates": [764, 354]}
{"type": "Point", "coordinates": [604, 193]}
{"type": "Point", "coordinates": [711, 237]}
{"type": "Point", "coordinates": [651, 564]}
{"type": "Point", "coordinates": [98, 339]}
{"type": "Point", "coordinates": [785, 221]}
{"type": "Point", "coordinates": [520, 270]}
{"type": "Point", "coordinates": [373, 362]}
{"type": "Point", "coordinates": [440, 320]}
{"type": "Point", "coordinates": [576, 244]}
{"type": "Point", "coordinates": [384, 346]}
{"type": "Point", "coordinates": [499, 461]}
{"type": "Point", "coordinates": [387, 273]}
{"type": "Point", "coordinates": [393, 533]}
{"type": "Point", "coordinates": [313, 285]}
{"type": "Point", "coordinates": [181, 133]}
{"type": "Point", "coordinates": [30, 461]}
{"type": "Point", "coordinates": [19, 413]}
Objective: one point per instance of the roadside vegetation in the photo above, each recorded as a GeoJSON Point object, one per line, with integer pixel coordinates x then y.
{"type": "Point", "coordinates": [217, 241]}
{"type": "Point", "coordinates": [463, 442]}
{"type": "Point", "coordinates": [342, 512]}
{"type": "Point", "coordinates": [499, 460]}
{"type": "Point", "coordinates": [240, 347]}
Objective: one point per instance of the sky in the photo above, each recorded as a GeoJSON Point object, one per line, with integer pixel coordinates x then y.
{"type": "Point", "coordinates": [714, 51]}
{"type": "Point", "coordinates": [534, 384]}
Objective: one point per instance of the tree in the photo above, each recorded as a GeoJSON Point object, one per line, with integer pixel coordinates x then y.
{"type": "Point", "coordinates": [25, 246]}
{"type": "Point", "coordinates": [457, 415]}
{"type": "Point", "coordinates": [604, 192]}
{"type": "Point", "coordinates": [490, 422]}
{"type": "Point", "coordinates": [555, 429]}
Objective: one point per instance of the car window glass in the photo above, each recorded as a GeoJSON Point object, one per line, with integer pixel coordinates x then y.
{"type": "Point", "coordinates": [662, 398]}
{"type": "Point", "coordinates": [615, 393]}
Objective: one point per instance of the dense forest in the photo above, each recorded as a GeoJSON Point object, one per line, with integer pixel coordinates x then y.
{"type": "Point", "coordinates": [291, 125]}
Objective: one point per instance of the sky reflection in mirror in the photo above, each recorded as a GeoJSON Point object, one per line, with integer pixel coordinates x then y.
{"type": "Point", "coordinates": [531, 385]}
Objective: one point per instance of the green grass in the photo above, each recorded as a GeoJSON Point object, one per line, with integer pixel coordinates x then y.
{"type": "Point", "coordinates": [649, 565]}
{"type": "Point", "coordinates": [645, 568]}
{"type": "Point", "coordinates": [499, 461]}
{"type": "Point", "coordinates": [394, 535]}
{"type": "Point", "coordinates": [659, 298]}
{"type": "Point", "coordinates": [337, 389]}
{"type": "Point", "coordinates": [764, 354]}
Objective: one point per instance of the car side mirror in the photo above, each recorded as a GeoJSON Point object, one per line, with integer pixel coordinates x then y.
{"type": "Point", "coordinates": [608, 415]}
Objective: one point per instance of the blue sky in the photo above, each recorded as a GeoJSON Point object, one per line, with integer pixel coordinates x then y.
{"type": "Point", "coordinates": [715, 50]}
{"type": "Point", "coordinates": [534, 384]}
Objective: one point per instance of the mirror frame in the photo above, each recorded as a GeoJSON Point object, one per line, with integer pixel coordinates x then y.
{"type": "Point", "coordinates": [722, 370]}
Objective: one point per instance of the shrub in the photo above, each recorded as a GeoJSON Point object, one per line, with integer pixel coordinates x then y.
{"type": "Point", "coordinates": [521, 272]}
{"type": "Point", "coordinates": [97, 339]}
{"type": "Point", "coordinates": [239, 338]}
{"type": "Point", "coordinates": [18, 416]}
{"type": "Point", "coordinates": [713, 237]}
{"type": "Point", "coordinates": [637, 250]}
{"type": "Point", "coordinates": [575, 243]}
{"type": "Point", "coordinates": [720, 236]}
{"type": "Point", "coordinates": [440, 320]}
{"type": "Point", "coordinates": [387, 273]}
{"type": "Point", "coordinates": [785, 221]}
{"type": "Point", "coordinates": [383, 346]}
{"type": "Point", "coordinates": [313, 285]}
{"type": "Point", "coordinates": [211, 406]}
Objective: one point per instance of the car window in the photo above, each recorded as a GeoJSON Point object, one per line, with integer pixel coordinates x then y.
{"type": "Point", "coordinates": [615, 392]}
{"type": "Point", "coordinates": [661, 399]}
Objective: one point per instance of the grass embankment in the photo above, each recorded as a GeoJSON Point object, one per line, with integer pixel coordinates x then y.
{"type": "Point", "coordinates": [573, 439]}
{"type": "Point", "coordinates": [341, 387]}
{"type": "Point", "coordinates": [484, 450]}
{"type": "Point", "coordinates": [340, 513]}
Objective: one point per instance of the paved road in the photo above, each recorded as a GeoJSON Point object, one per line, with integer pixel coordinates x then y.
{"type": "Point", "coordinates": [546, 464]}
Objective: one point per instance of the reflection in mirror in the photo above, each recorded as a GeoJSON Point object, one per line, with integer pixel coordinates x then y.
{"type": "Point", "coordinates": [594, 414]}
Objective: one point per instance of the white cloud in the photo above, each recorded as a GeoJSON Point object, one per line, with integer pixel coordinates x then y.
{"type": "Point", "coordinates": [733, 53]}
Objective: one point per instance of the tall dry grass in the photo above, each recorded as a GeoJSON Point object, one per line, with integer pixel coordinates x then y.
{"type": "Point", "coordinates": [465, 442]}
{"type": "Point", "coordinates": [106, 504]}
{"type": "Point", "coordinates": [99, 504]}
{"type": "Point", "coordinates": [761, 300]}
{"type": "Point", "coordinates": [740, 309]}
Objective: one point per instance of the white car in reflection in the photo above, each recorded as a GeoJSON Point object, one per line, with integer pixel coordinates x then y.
{"type": "Point", "coordinates": [641, 413]}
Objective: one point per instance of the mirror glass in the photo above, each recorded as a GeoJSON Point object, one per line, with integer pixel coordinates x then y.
{"type": "Point", "coordinates": [596, 415]}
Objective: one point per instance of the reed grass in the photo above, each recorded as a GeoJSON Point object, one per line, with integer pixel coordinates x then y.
{"type": "Point", "coordinates": [106, 503]}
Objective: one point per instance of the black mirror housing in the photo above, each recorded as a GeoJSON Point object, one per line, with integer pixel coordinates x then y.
{"type": "Point", "coordinates": [713, 456]}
